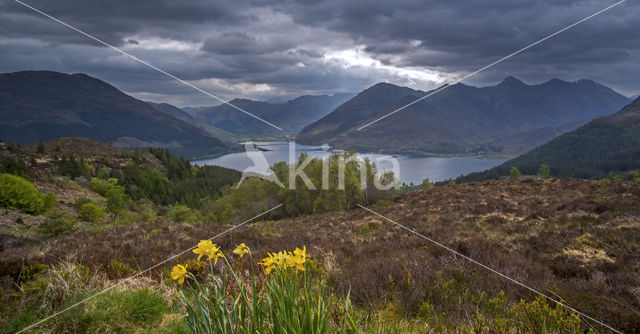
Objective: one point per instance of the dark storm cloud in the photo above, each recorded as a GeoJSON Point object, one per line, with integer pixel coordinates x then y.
{"type": "Point", "coordinates": [239, 43]}
{"type": "Point", "coordinates": [113, 19]}
{"type": "Point", "coordinates": [264, 49]}
{"type": "Point", "coordinates": [462, 36]}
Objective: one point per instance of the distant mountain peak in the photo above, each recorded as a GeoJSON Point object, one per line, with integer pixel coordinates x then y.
{"type": "Point", "coordinates": [511, 81]}
{"type": "Point", "coordinates": [384, 84]}
{"type": "Point", "coordinates": [587, 82]}
{"type": "Point", "coordinates": [555, 81]}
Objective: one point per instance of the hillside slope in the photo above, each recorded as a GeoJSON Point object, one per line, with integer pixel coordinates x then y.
{"type": "Point", "coordinates": [605, 145]}
{"type": "Point", "coordinates": [43, 105]}
{"type": "Point", "coordinates": [172, 111]}
{"type": "Point", "coordinates": [461, 118]}
{"type": "Point", "coordinates": [575, 238]}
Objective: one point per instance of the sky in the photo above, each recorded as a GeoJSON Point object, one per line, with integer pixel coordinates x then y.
{"type": "Point", "coordinates": [275, 50]}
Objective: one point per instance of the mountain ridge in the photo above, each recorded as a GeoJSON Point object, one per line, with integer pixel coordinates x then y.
{"type": "Point", "coordinates": [609, 144]}
{"type": "Point", "coordinates": [461, 118]}
{"type": "Point", "coordinates": [44, 105]}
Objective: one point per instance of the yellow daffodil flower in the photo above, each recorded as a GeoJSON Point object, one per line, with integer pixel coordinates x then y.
{"type": "Point", "coordinates": [268, 263]}
{"type": "Point", "coordinates": [301, 252]}
{"type": "Point", "coordinates": [299, 262]}
{"type": "Point", "coordinates": [206, 247]}
{"type": "Point", "coordinates": [179, 273]}
{"type": "Point", "coordinates": [281, 258]}
{"type": "Point", "coordinates": [241, 250]}
{"type": "Point", "coordinates": [216, 254]}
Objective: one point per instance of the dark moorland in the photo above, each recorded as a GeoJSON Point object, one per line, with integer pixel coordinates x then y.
{"type": "Point", "coordinates": [575, 240]}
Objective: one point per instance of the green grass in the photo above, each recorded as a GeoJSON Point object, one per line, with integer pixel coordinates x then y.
{"type": "Point", "coordinates": [114, 312]}
{"type": "Point", "coordinates": [46, 292]}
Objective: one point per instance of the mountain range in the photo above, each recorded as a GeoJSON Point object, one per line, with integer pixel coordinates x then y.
{"type": "Point", "coordinates": [606, 145]}
{"type": "Point", "coordinates": [44, 105]}
{"type": "Point", "coordinates": [291, 115]}
{"type": "Point", "coordinates": [511, 117]}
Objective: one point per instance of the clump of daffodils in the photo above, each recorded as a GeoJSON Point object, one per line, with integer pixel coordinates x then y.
{"type": "Point", "coordinates": [282, 259]}
{"type": "Point", "coordinates": [285, 259]}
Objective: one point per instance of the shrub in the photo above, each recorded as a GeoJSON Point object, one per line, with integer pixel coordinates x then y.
{"type": "Point", "coordinates": [19, 194]}
{"type": "Point", "coordinates": [82, 200]}
{"type": "Point", "coordinates": [49, 200]}
{"type": "Point", "coordinates": [91, 213]}
{"type": "Point", "coordinates": [541, 316]}
{"type": "Point", "coordinates": [103, 173]}
{"type": "Point", "coordinates": [139, 211]}
{"type": "Point", "coordinates": [103, 186]}
{"type": "Point", "coordinates": [57, 223]}
{"type": "Point", "coordinates": [182, 213]}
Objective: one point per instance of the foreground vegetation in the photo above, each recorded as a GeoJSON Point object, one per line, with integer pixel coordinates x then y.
{"type": "Point", "coordinates": [573, 239]}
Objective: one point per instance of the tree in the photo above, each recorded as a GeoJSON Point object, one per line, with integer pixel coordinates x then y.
{"type": "Point", "coordinates": [116, 198]}
{"type": "Point", "coordinates": [426, 183]}
{"type": "Point", "coordinates": [49, 201]}
{"type": "Point", "coordinates": [40, 147]}
{"type": "Point", "coordinates": [514, 173]}
{"type": "Point", "coordinates": [11, 165]}
{"type": "Point", "coordinates": [227, 213]}
{"type": "Point", "coordinates": [71, 167]}
{"type": "Point", "coordinates": [544, 171]}
{"type": "Point", "coordinates": [103, 173]}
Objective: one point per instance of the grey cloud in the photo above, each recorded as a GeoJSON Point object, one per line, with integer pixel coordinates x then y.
{"type": "Point", "coordinates": [283, 44]}
{"type": "Point", "coordinates": [113, 20]}
{"type": "Point", "coordinates": [238, 43]}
